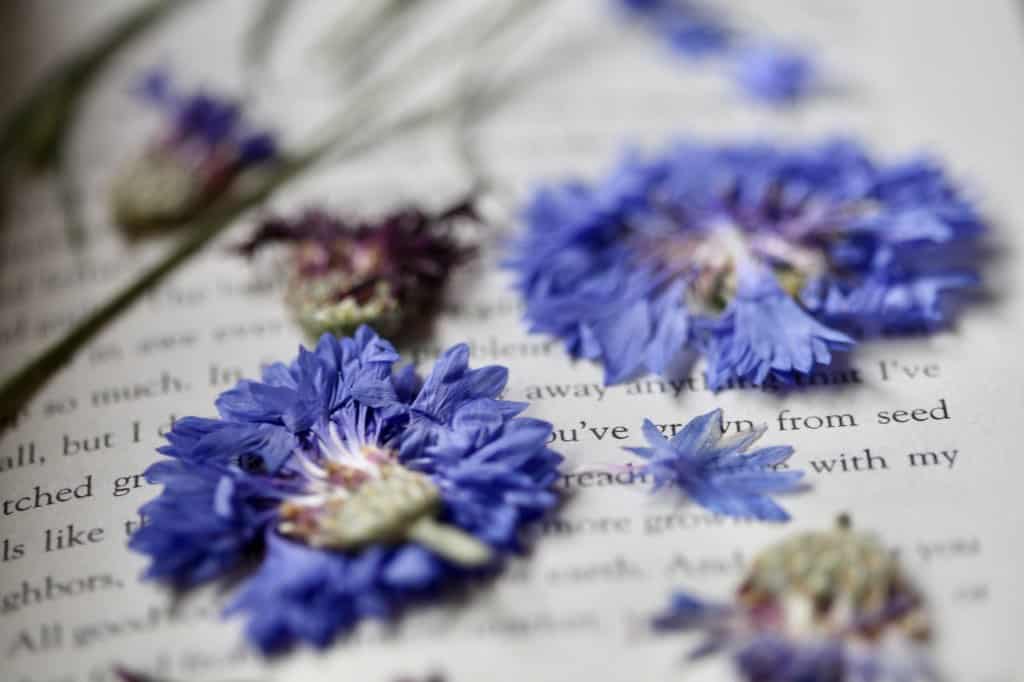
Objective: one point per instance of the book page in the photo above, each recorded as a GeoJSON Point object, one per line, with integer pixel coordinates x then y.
{"type": "Point", "coordinates": [915, 438]}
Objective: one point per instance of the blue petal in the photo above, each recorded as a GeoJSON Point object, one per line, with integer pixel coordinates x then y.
{"type": "Point", "coordinates": [413, 568]}
{"type": "Point", "coordinates": [653, 434]}
{"type": "Point", "coordinates": [671, 330]}
{"type": "Point", "coordinates": [774, 74]}
{"type": "Point", "coordinates": [624, 340]}
{"type": "Point", "coordinates": [765, 332]}
{"type": "Point", "coordinates": [699, 433]}
{"type": "Point", "coordinates": [715, 473]}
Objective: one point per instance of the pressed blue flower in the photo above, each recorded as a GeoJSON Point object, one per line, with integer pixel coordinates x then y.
{"type": "Point", "coordinates": [817, 607]}
{"type": "Point", "coordinates": [767, 260]}
{"type": "Point", "coordinates": [774, 74]}
{"type": "Point", "coordinates": [719, 473]}
{"type": "Point", "coordinates": [355, 488]}
{"type": "Point", "coordinates": [205, 145]}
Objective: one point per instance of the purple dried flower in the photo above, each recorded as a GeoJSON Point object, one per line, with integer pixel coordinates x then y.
{"type": "Point", "coordinates": [385, 271]}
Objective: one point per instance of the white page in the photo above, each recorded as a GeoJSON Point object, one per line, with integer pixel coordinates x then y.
{"type": "Point", "coordinates": [942, 76]}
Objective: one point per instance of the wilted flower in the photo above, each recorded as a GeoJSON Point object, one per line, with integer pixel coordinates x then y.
{"type": "Point", "coordinates": [770, 74]}
{"type": "Point", "coordinates": [818, 607]}
{"type": "Point", "coordinates": [204, 148]}
{"type": "Point", "coordinates": [763, 258]}
{"type": "Point", "coordinates": [386, 272]}
{"type": "Point", "coordinates": [718, 473]}
{"type": "Point", "coordinates": [358, 488]}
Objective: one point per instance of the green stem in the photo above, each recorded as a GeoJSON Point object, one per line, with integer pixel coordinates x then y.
{"type": "Point", "coordinates": [23, 386]}
{"type": "Point", "coordinates": [451, 542]}
{"type": "Point", "coordinates": [362, 25]}
{"type": "Point", "coordinates": [369, 98]}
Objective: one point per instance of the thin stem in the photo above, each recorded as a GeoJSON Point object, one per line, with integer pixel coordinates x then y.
{"type": "Point", "coordinates": [479, 97]}
{"type": "Point", "coordinates": [20, 388]}
{"type": "Point", "coordinates": [358, 36]}
{"type": "Point", "coordinates": [260, 39]}
{"type": "Point", "coordinates": [479, 27]}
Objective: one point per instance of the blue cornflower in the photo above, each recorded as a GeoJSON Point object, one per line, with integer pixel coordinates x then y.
{"type": "Point", "coordinates": [205, 145]}
{"type": "Point", "coordinates": [817, 607]}
{"type": "Point", "coordinates": [356, 487]}
{"type": "Point", "coordinates": [718, 473]}
{"type": "Point", "coordinates": [768, 260]}
{"type": "Point", "coordinates": [766, 73]}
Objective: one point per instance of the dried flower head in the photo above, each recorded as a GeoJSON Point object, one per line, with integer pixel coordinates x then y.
{"type": "Point", "coordinates": [202, 151]}
{"type": "Point", "coordinates": [387, 272]}
{"type": "Point", "coordinates": [819, 607]}
{"type": "Point", "coordinates": [357, 488]}
{"type": "Point", "coordinates": [765, 259]}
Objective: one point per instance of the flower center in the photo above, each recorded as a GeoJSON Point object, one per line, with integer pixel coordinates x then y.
{"type": "Point", "coordinates": [355, 498]}
{"type": "Point", "coordinates": [840, 583]}
{"type": "Point", "coordinates": [359, 508]}
{"type": "Point", "coordinates": [710, 260]}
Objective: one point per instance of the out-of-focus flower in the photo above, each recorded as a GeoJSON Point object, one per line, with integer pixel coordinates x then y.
{"type": "Point", "coordinates": [765, 259]}
{"type": "Point", "coordinates": [385, 272]}
{"type": "Point", "coordinates": [691, 28]}
{"type": "Point", "coordinates": [203, 150]}
{"type": "Point", "coordinates": [818, 607]}
{"type": "Point", "coordinates": [718, 473]}
{"type": "Point", "coordinates": [767, 73]}
{"type": "Point", "coordinates": [774, 74]}
{"type": "Point", "coordinates": [358, 488]}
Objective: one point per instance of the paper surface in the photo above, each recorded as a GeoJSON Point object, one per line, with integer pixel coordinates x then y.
{"type": "Point", "coordinates": [943, 77]}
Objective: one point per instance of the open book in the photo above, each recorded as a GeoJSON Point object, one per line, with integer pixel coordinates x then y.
{"type": "Point", "coordinates": [914, 439]}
